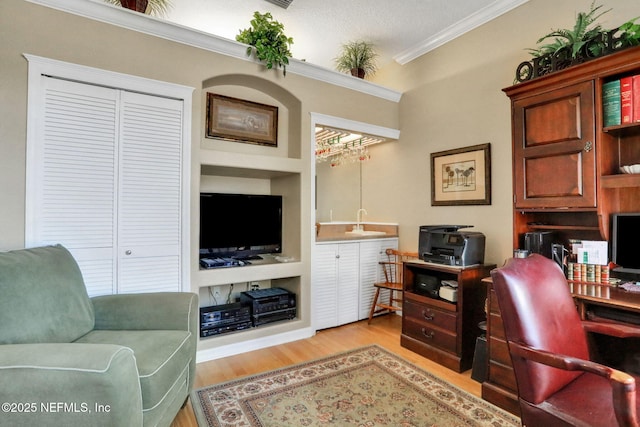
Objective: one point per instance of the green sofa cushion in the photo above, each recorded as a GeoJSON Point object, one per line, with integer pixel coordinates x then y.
{"type": "Point", "coordinates": [162, 357]}
{"type": "Point", "coordinates": [42, 283]}
{"type": "Point", "coordinates": [96, 385]}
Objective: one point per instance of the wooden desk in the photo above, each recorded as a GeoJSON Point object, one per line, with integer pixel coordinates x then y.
{"type": "Point", "coordinates": [500, 385]}
{"type": "Point", "coordinates": [595, 294]}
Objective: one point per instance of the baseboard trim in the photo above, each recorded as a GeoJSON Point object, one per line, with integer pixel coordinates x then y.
{"type": "Point", "coordinates": [250, 345]}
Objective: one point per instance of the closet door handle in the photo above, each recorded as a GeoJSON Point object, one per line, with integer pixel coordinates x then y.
{"type": "Point", "coordinates": [127, 252]}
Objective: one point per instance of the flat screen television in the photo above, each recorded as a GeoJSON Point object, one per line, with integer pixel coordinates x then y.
{"type": "Point", "coordinates": [625, 236]}
{"type": "Point", "coordinates": [240, 226]}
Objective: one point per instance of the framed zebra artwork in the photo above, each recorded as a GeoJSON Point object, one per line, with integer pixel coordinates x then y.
{"type": "Point", "coordinates": [461, 176]}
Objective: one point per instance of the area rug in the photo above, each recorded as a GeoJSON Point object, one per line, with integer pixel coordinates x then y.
{"type": "Point", "coordinates": [364, 387]}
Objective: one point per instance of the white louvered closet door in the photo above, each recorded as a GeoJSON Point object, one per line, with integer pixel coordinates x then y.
{"type": "Point", "coordinates": [149, 216]}
{"type": "Point", "coordinates": [104, 179]}
{"type": "Point", "coordinates": [71, 177]}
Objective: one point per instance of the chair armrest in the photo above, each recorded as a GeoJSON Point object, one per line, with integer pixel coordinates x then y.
{"type": "Point", "coordinates": [623, 385]}
{"type": "Point", "coordinates": [69, 384]}
{"type": "Point", "coordinates": [160, 310]}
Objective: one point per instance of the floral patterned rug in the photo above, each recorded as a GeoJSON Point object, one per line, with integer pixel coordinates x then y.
{"type": "Point", "coordinates": [364, 387]}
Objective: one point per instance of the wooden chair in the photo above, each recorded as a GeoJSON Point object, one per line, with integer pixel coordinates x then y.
{"type": "Point", "coordinates": [392, 269]}
{"type": "Point", "coordinates": [558, 384]}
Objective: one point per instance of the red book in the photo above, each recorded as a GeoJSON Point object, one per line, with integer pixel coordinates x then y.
{"type": "Point", "coordinates": [635, 95]}
{"type": "Point", "coordinates": [626, 100]}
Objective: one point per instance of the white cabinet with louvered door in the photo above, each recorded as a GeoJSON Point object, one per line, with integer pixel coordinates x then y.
{"type": "Point", "coordinates": [371, 253]}
{"type": "Point", "coordinates": [104, 179]}
{"type": "Point", "coordinates": [335, 284]}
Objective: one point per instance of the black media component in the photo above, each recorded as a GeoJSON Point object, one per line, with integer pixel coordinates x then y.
{"type": "Point", "coordinates": [539, 242]}
{"type": "Point", "coordinates": [270, 305]}
{"type": "Point", "coordinates": [239, 226]}
{"type": "Point", "coordinates": [426, 285]}
{"type": "Point", "coordinates": [220, 319]}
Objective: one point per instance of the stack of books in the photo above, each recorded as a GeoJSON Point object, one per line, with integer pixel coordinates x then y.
{"type": "Point", "coordinates": [621, 101]}
{"type": "Point", "coordinates": [594, 273]}
{"type": "Point", "coordinates": [589, 261]}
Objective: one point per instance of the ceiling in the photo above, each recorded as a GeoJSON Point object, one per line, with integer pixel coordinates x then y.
{"type": "Point", "coordinates": [401, 30]}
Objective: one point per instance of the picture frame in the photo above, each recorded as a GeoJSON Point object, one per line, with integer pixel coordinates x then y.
{"type": "Point", "coordinates": [461, 176]}
{"type": "Point", "coordinates": [239, 120]}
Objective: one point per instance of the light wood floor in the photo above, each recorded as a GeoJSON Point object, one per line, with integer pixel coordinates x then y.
{"type": "Point", "coordinates": [384, 331]}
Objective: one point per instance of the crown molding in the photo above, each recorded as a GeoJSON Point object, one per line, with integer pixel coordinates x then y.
{"type": "Point", "coordinates": [459, 28]}
{"type": "Point", "coordinates": [121, 17]}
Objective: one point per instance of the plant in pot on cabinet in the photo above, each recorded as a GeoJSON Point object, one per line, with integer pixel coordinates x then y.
{"type": "Point", "coordinates": [151, 7]}
{"type": "Point", "coordinates": [358, 58]}
{"type": "Point", "coordinates": [267, 39]}
{"type": "Point", "coordinates": [587, 40]}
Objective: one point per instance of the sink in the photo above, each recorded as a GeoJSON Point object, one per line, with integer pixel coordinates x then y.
{"type": "Point", "coordinates": [365, 233]}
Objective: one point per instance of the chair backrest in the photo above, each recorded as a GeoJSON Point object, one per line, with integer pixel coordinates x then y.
{"type": "Point", "coordinates": [42, 297]}
{"type": "Point", "coordinates": [538, 310]}
{"type": "Point", "coordinates": [392, 267]}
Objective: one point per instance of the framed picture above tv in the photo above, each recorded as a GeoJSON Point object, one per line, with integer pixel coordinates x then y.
{"type": "Point", "coordinates": [461, 176]}
{"type": "Point", "coordinates": [243, 121]}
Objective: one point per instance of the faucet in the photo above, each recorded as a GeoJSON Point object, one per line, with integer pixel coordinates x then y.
{"type": "Point", "coordinates": [358, 226]}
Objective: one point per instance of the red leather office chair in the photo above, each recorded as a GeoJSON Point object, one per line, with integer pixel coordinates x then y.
{"type": "Point", "coordinates": [557, 383]}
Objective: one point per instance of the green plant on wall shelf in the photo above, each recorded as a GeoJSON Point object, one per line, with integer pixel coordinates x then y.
{"type": "Point", "coordinates": [266, 37]}
{"type": "Point", "coordinates": [152, 7]}
{"type": "Point", "coordinates": [358, 58]}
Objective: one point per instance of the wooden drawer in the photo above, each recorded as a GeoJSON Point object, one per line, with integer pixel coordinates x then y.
{"type": "Point", "coordinates": [498, 347]}
{"type": "Point", "coordinates": [502, 375]}
{"type": "Point", "coordinates": [430, 316]}
{"type": "Point", "coordinates": [496, 326]}
{"type": "Point", "coordinates": [499, 351]}
{"type": "Point", "coordinates": [493, 303]}
{"type": "Point", "coordinates": [429, 334]}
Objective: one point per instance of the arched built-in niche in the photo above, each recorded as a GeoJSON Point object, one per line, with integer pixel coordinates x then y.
{"type": "Point", "coordinates": [256, 89]}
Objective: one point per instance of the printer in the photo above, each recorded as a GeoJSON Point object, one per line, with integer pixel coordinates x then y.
{"type": "Point", "coordinates": [445, 244]}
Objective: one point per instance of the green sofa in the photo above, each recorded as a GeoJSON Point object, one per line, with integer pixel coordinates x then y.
{"type": "Point", "coordinates": [70, 360]}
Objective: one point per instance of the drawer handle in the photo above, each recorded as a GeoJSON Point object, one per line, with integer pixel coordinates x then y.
{"type": "Point", "coordinates": [427, 316]}
{"type": "Point", "coordinates": [429, 335]}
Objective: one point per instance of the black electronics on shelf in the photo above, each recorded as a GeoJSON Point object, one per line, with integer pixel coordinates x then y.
{"type": "Point", "coordinates": [270, 305]}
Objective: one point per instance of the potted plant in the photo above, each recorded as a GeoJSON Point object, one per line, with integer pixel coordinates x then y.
{"type": "Point", "coordinates": [267, 39]}
{"type": "Point", "coordinates": [152, 7]}
{"type": "Point", "coordinates": [575, 39]}
{"type": "Point", "coordinates": [585, 41]}
{"type": "Point", "coordinates": [358, 58]}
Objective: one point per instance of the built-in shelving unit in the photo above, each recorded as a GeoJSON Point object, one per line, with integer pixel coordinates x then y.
{"type": "Point", "coordinates": [237, 167]}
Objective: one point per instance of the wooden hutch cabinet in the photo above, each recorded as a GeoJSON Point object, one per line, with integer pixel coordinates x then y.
{"type": "Point", "coordinates": [566, 165]}
{"type": "Point", "coordinates": [554, 158]}
{"type": "Point", "coordinates": [566, 172]}
{"type": "Point", "coordinates": [440, 330]}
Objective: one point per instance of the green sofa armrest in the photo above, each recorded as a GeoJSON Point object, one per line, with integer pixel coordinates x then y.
{"type": "Point", "coordinates": [160, 310]}
{"type": "Point", "coordinates": [69, 384]}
